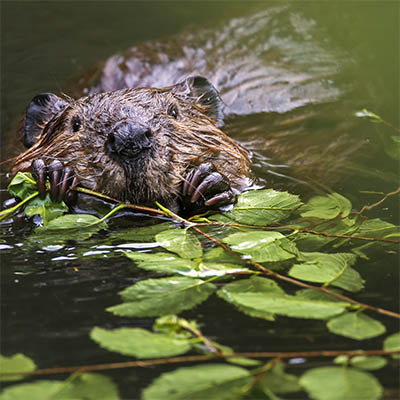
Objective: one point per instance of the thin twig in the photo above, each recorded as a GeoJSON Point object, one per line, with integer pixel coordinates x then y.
{"type": "Point", "coordinates": [199, 358]}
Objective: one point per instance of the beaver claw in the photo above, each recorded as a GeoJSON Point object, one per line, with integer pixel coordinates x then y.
{"type": "Point", "coordinates": [207, 185]}
{"type": "Point", "coordinates": [61, 180]}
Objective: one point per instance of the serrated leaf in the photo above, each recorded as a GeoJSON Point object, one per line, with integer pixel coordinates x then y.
{"type": "Point", "coordinates": [262, 246]}
{"type": "Point", "coordinates": [211, 382]}
{"type": "Point", "coordinates": [263, 207]}
{"type": "Point", "coordinates": [180, 241]}
{"type": "Point", "coordinates": [86, 386]}
{"type": "Point", "coordinates": [139, 342]}
{"type": "Point", "coordinates": [21, 185]}
{"type": "Point", "coordinates": [376, 228]}
{"type": "Point", "coordinates": [254, 284]}
{"type": "Point", "coordinates": [329, 268]}
{"type": "Point", "coordinates": [326, 207]}
{"type": "Point", "coordinates": [312, 242]}
{"type": "Point", "coordinates": [154, 297]}
{"type": "Point", "coordinates": [141, 234]}
{"type": "Point", "coordinates": [268, 298]}
{"type": "Point", "coordinates": [166, 263]}
{"type": "Point", "coordinates": [219, 255]}
{"type": "Point", "coordinates": [336, 383]}
{"type": "Point", "coordinates": [16, 363]}
{"type": "Point", "coordinates": [47, 209]}
{"type": "Point", "coordinates": [277, 381]}
{"type": "Point", "coordinates": [356, 326]}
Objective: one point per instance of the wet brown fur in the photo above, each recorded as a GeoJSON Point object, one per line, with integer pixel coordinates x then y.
{"type": "Point", "coordinates": [179, 145]}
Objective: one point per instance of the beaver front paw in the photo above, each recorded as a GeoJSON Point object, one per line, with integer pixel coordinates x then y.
{"type": "Point", "coordinates": [61, 180]}
{"type": "Point", "coordinates": [205, 187]}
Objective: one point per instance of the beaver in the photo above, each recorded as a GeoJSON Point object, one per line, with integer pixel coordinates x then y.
{"type": "Point", "coordinates": [272, 85]}
{"type": "Point", "coordinates": [137, 145]}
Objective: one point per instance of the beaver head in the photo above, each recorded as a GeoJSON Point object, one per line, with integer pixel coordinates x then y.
{"type": "Point", "coordinates": [135, 145]}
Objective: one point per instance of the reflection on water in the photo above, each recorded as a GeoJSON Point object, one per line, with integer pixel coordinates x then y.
{"type": "Point", "coordinates": [308, 66]}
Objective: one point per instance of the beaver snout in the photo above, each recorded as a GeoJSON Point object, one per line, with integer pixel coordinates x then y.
{"type": "Point", "coordinates": [128, 140]}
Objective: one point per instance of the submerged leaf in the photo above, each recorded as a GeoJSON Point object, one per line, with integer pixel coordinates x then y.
{"type": "Point", "coordinates": [180, 241]}
{"type": "Point", "coordinates": [139, 342]}
{"type": "Point", "coordinates": [329, 268]}
{"type": "Point", "coordinates": [263, 207]}
{"type": "Point", "coordinates": [86, 386]}
{"type": "Point", "coordinates": [356, 325]}
{"type": "Point", "coordinates": [326, 207]}
{"type": "Point", "coordinates": [362, 362]}
{"type": "Point", "coordinates": [154, 297]}
{"type": "Point", "coordinates": [262, 246]}
{"type": "Point", "coordinates": [335, 383]}
{"type": "Point", "coordinates": [391, 343]}
{"type": "Point", "coordinates": [211, 382]}
{"type": "Point", "coordinates": [16, 363]}
{"type": "Point", "coordinates": [277, 381]}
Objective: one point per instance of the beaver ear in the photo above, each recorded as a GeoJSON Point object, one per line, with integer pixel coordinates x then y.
{"type": "Point", "coordinates": [202, 92]}
{"type": "Point", "coordinates": [40, 110]}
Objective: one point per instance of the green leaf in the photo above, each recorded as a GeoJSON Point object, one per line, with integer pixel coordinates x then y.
{"type": "Point", "coordinates": [356, 326]}
{"type": "Point", "coordinates": [262, 246]}
{"type": "Point", "coordinates": [256, 285]}
{"type": "Point", "coordinates": [139, 342]}
{"type": "Point", "coordinates": [154, 297]}
{"type": "Point", "coordinates": [263, 207]}
{"type": "Point", "coordinates": [364, 113]}
{"type": "Point", "coordinates": [16, 363]}
{"type": "Point", "coordinates": [391, 343]}
{"type": "Point", "coordinates": [326, 207]}
{"type": "Point", "coordinates": [166, 263]}
{"type": "Point", "coordinates": [312, 242]}
{"type": "Point", "coordinates": [338, 383]}
{"type": "Point", "coordinates": [22, 185]}
{"type": "Point", "coordinates": [211, 382]}
{"type": "Point", "coordinates": [376, 228]}
{"type": "Point", "coordinates": [73, 222]}
{"type": "Point", "coordinates": [277, 381]}
{"type": "Point", "coordinates": [180, 241]}
{"type": "Point", "coordinates": [329, 268]}
{"type": "Point", "coordinates": [219, 255]}
{"type": "Point", "coordinates": [90, 386]}
{"type": "Point", "coordinates": [262, 297]}
{"type": "Point", "coordinates": [87, 386]}
{"type": "Point", "coordinates": [362, 362]}
{"type": "Point", "coordinates": [45, 208]}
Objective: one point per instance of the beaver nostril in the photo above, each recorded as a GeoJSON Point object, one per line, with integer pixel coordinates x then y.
{"type": "Point", "coordinates": [111, 138]}
{"type": "Point", "coordinates": [127, 140]}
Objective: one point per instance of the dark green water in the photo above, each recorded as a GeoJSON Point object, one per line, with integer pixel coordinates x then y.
{"type": "Point", "coordinates": [49, 307]}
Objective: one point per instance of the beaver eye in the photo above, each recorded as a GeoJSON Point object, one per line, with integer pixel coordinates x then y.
{"type": "Point", "coordinates": [76, 124]}
{"type": "Point", "coordinates": [173, 112]}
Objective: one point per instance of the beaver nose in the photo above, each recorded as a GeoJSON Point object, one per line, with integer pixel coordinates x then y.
{"type": "Point", "coordinates": [128, 140]}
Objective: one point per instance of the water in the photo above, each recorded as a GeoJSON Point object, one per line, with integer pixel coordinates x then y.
{"type": "Point", "coordinates": [51, 300]}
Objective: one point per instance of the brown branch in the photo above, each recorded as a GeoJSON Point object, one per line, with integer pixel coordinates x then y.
{"type": "Point", "coordinates": [369, 208]}
{"type": "Point", "coordinates": [199, 358]}
{"type": "Point", "coordinates": [274, 274]}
